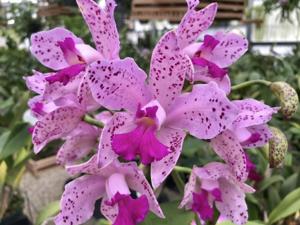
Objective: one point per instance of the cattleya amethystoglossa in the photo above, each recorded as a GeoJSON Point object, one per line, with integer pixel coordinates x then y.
{"type": "Point", "coordinates": [144, 118]}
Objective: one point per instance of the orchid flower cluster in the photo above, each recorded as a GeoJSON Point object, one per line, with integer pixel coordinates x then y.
{"type": "Point", "coordinates": [93, 99]}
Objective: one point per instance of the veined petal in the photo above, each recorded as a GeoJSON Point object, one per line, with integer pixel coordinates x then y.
{"type": "Point", "coordinates": [264, 136]}
{"type": "Point", "coordinates": [168, 70]}
{"type": "Point", "coordinates": [78, 200]}
{"type": "Point", "coordinates": [102, 26]}
{"type": "Point", "coordinates": [233, 205]}
{"type": "Point", "coordinates": [119, 123]}
{"type": "Point", "coordinates": [229, 149]}
{"type": "Point", "coordinates": [138, 182]}
{"type": "Point", "coordinates": [205, 112]}
{"type": "Point", "coordinates": [194, 23]}
{"type": "Point", "coordinates": [55, 125]}
{"type": "Point", "coordinates": [45, 47]}
{"type": "Point", "coordinates": [230, 48]}
{"type": "Point", "coordinates": [252, 112]}
{"type": "Point", "coordinates": [173, 138]}
{"type": "Point", "coordinates": [118, 84]}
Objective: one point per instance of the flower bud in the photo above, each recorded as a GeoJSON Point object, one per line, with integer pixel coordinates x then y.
{"type": "Point", "coordinates": [278, 146]}
{"type": "Point", "coordinates": [288, 98]}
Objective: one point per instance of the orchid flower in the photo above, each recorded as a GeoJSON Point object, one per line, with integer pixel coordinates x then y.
{"type": "Point", "coordinates": [64, 95]}
{"type": "Point", "coordinates": [249, 130]}
{"type": "Point", "coordinates": [157, 116]}
{"type": "Point", "coordinates": [214, 184]}
{"type": "Point", "coordinates": [112, 184]}
{"type": "Point", "coordinates": [216, 53]}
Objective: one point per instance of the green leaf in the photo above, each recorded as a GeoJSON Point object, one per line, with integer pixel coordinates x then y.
{"type": "Point", "coordinates": [49, 211]}
{"type": "Point", "coordinates": [173, 216]}
{"type": "Point", "coordinates": [3, 139]}
{"type": "Point", "coordinates": [289, 205]}
{"type": "Point", "coordinates": [17, 139]}
{"type": "Point", "coordinates": [267, 182]}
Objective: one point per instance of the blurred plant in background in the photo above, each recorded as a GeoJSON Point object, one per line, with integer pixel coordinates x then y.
{"type": "Point", "coordinates": [269, 203]}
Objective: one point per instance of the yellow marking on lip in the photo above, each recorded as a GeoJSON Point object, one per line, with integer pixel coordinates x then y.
{"type": "Point", "coordinates": [146, 121]}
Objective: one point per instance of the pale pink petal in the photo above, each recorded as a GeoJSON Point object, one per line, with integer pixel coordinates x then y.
{"type": "Point", "coordinates": [205, 112]}
{"type": "Point", "coordinates": [230, 48]}
{"type": "Point", "coordinates": [89, 167]}
{"type": "Point", "coordinates": [173, 139]}
{"type": "Point", "coordinates": [44, 46]}
{"type": "Point", "coordinates": [252, 112]}
{"type": "Point", "coordinates": [87, 53]}
{"type": "Point", "coordinates": [119, 123]}
{"type": "Point", "coordinates": [36, 82]}
{"type": "Point", "coordinates": [189, 189]}
{"type": "Point", "coordinates": [102, 26]}
{"type": "Point", "coordinates": [264, 136]}
{"type": "Point", "coordinates": [104, 117]}
{"type": "Point", "coordinates": [202, 74]}
{"type": "Point", "coordinates": [228, 147]}
{"type": "Point", "coordinates": [194, 23]}
{"type": "Point", "coordinates": [84, 95]}
{"type": "Point", "coordinates": [55, 125]}
{"type": "Point", "coordinates": [108, 211]}
{"type": "Point", "coordinates": [78, 144]}
{"type": "Point", "coordinates": [138, 182]}
{"type": "Point", "coordinates": [168, 70]}
{"type": "Point", "coordinates": [118, 84]}
{"type": "Point", "coordinates": [213, 171]}
{"type": "Point", "coordinates": [78, 200]}
{"type": "Point", "coordinates": [233, 205]}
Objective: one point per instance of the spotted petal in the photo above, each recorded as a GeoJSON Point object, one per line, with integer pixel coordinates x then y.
{"type": "Point", "coordinates": [229, 149]}
{"type": "Point", "coordinates": [36, 82]}
{"type": "Point", "coordinates": [78, 200]}
{"type": "Point", "coordinates": [264, 136]}
{"type": "Point", "coordinates": [189, 189]}
{"type": "Point", "coordinates": [108, 211]}
{"type": "Point", "coordinates": [173, 138]}
{"type": "Point", "coordinates": [205, 112]}
{"type": "Point", "coordinates": [168, 69]}
{"type": "Point", "coordinates": [194, 23]}
{"type": "Point", "coordinates": [230, 48]}
{"type": "Point", "coordinates": [118, 84]}
{"type": "Point", "coordinates": [55, 125]}
{"type": "Point", "coordinates": [44, 46]}
{"type": "Point", "coordinates": [102, 26]}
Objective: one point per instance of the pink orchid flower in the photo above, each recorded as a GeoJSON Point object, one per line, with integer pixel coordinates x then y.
{"type": "Point", "coordinates": [214, 184]}
{"type": "Point", "coordinates": [64, 96]}
{"type": "Point", "coordinates": [249, 130]}
{"type": "Point", "coordinates": [157, 115]}
{"type": "Point", "coordinates": [215, 54]}
{"type": "Point", "coordinates": [113, 184]}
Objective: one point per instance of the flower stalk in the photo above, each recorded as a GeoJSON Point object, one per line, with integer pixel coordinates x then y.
{"type": "Point", "coordinates": [249, 83]}
{"type": "Point", "coordinates": [90, 120]}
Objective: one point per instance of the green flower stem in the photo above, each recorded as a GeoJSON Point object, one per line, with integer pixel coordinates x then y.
{"type": "Point", "coordinates": [90, 120]}
{"type": "Point", "coordinates": [178, 181]}
{"type": "Point", "coordinates": [197, 220]}
{"type": "Point", "coordinates": [181, 169]}
{"type": "Point", "coordinates": [249, 83]}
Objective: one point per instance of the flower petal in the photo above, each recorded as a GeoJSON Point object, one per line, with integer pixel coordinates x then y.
{"type": "Point", "coordinates": [44, 46]}
{"type": "Point", "coordinates": [173, 138]}
{"type": "Point", "coordinates": [78, 200]}
{"type": "Point", "coordinates": [55, 125]}
{"type": "Point", "coordinates": [252, 112]}
{"type": "Point", "coordinates": [194, 22]}
{"type": "Point", "coordinates": [89, 167]}
{"type": "Point", "coordinates": [227, 146]}
{"type": "Point", "coordinates": [102, 26]}
{"type": "Point", "coordinates": [264, 136]}
{"type": "Point", "coordinates": [78, 144]}
{"type": "Point", "coordinates": [205, 112]}
{"type": "Point", "coordinates": [36, 82]}
{"type": "Point", "coordinates": [230, 48]}
{"type": "Point", "coordinates": [168, 69]}
{"type": "Point", "coordinates": [108, 211]}
{"type": "Point", "coordinates": [189, 189]}
{"type": "Point", "coordinates": [233, 205]}
{"type": "Point", "coordinates": [138, 182]}
{"type": "Point", "coordinates": [118, 84]}
{"type": "Point", "coordinates": [119, 123]}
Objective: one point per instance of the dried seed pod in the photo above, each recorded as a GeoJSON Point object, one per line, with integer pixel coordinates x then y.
{"type": "Point", "coordinates": [278, 146]}
{"type": "Point", "coordinates": [288, 98]}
